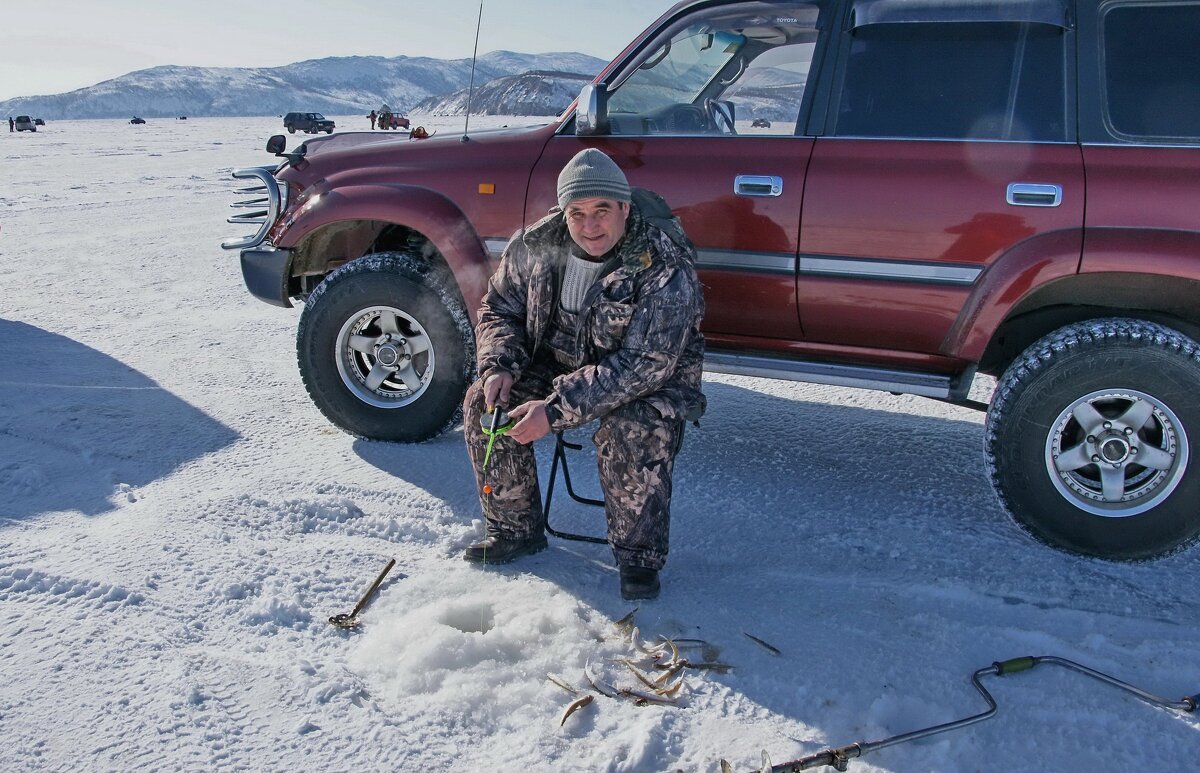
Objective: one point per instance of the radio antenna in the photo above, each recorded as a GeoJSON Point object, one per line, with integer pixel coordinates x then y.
{"type": "Point", "coordinates": [471, 87]}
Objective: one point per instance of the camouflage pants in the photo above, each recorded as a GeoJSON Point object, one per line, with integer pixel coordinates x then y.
{"type": "Point", "coordinates": [635, 448]}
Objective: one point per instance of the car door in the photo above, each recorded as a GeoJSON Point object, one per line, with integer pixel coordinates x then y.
{"type": "Point", "coordinates": [949, 147]}
{"type": "Point", "coordinates": [680, 116]}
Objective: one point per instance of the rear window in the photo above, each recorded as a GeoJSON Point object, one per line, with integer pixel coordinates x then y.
{"type": "Point", "coordinates": [955, 80]}
{"type": "Point", "coordinates": [1152, 71]}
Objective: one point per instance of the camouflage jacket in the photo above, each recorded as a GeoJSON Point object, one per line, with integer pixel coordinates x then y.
{"type": "Point", "coordinates": [638, 328]}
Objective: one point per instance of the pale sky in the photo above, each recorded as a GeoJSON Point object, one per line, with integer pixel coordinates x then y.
{"type": "Point", "coordinates": [52, 47]}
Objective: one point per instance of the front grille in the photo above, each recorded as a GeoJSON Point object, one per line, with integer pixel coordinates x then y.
{"type": "Point", "coordinates": [268, 197]}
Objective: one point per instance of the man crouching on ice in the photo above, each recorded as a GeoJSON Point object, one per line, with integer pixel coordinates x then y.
{"type": "Point", "coordinates": [593, 313]}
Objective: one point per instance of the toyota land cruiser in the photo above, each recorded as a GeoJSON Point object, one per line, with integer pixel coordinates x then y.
{"type": "Point", "coordinates": [932, 189]}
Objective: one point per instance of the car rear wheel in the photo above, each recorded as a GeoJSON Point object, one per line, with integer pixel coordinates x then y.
{"type": "Point", "coordinates": [1089, 439]}
{"type": "Point", "coordinates": [386, 350]}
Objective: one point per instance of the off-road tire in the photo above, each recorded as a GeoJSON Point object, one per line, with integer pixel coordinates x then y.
{"type": "Point", "coordinates": [291, 129]}
{"type": "Point", "coordinates": [351, 306]}
{"type": "Point", "coordinates": [1107, 366]}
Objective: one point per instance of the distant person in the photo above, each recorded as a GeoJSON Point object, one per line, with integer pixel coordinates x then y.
{"type": "Point", "coordinates": [10, 123]}
{"type": "Point", "coordinates": [372, 115]}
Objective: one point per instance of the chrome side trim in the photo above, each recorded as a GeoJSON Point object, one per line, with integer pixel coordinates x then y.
{"type": "Point", "coordinates": [860, 268]}
{"type": "Point", "coordinates": [881, 379]}
{"type": "Point", "coordinates": [495, 246]}
{"type": "Point", "coordinates": [767, 262]}
{"type": "Point", "coordinates": [964, 140]}
{"type": "Point", "coordinates": [265, 208]}
{"type": "Point", "coordinates": [1180, 143]}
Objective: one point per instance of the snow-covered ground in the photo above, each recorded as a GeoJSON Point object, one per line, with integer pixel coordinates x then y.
{"type": "Point", "coordinates": [177, 522]}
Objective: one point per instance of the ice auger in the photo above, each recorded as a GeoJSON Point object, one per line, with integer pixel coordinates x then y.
{"type": "Point", "coordinates": [840, 757]}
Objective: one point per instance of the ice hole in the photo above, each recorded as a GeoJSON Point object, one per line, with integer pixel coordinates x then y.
{"type": "Point", "coordinates": [478, 619]}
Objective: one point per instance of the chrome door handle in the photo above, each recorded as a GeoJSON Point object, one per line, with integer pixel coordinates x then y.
{"type": "Point", "coordinates": [1033, 195]}
{"type": "Point", "coordinates": [757, 185]}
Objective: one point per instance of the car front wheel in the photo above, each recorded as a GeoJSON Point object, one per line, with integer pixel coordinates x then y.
{"type": "Point", "coordinates": [1089, 439]}
{"type": "Point", "coordinates": [386, 350]}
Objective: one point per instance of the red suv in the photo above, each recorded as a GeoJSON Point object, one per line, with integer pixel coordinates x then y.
{"type": "Point", "coordinates": [887, 194]}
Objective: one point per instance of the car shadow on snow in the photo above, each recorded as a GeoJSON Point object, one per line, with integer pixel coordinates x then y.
{"type": "Point", "coordinates": [438, 466]}
{"type": "Point", "coordinates": [80, 430]}
{"type": "Point", "coordinates": [765, 480]}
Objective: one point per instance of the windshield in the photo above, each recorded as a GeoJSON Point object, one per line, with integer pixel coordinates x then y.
{"type": "Point", "coordinates": [679, 71]}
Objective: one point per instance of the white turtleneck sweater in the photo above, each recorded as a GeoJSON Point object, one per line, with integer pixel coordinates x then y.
{"type": "Point", "coordinates": [577, 278]}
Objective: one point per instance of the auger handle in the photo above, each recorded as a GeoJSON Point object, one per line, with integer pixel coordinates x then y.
{"type": "Point", "coordinates": [1013, 665]}
{"type": "Point", "coordinates": [362, 602]}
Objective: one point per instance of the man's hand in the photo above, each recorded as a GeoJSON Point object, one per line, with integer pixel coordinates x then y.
{"type": "Point", "coordinates": [496, 389]}
{"type": "Point", "coordinates": [532, 423]}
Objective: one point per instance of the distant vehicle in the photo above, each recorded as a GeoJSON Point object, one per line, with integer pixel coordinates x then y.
{"type": "Point", "coordinates": [135, 119]}
{"type": "Point", "coordinates": [309, 123]}
{"type": "Point", "coordinates": [25, 124]}
{"type": "Point", "coordinates": [761, 123]}
{"type": "Point", "coordinates": [393, 121]}
{"type": "Point", "coordinates": [183, 118]}
{"type": "Point", "coordinates": [38, 122]}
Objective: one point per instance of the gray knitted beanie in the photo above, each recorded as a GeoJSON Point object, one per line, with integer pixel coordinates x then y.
{"type": "Point", "coordinates": [591, 175]}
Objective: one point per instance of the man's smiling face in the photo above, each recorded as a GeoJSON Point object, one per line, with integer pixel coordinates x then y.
{"type": "Point", "coordinates": [597, 225]}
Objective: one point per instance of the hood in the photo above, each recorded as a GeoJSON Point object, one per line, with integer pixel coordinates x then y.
{"type": "Point", "coordinates": [350, 140]}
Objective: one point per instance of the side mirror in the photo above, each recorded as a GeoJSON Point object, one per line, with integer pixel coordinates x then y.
{"type": "Point", "coordinates": [278, 143]}
{"type": "Point", "coordinates": [591, 110]}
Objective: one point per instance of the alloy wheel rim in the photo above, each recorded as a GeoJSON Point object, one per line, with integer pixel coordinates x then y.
{"type": "Point", "coordinates": [1116, 452]}
{"type": "Point", "coordinates": [384, 357]}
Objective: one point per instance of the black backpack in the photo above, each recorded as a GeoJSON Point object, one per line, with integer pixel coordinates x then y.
{"type": "Point", "coordinates": [658, 213]}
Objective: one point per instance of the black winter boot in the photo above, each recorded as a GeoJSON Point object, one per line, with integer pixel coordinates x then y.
{"type": "Point", "coordinates": [495, 549]}
{"type": "Point", "coordinates": [638, 582]}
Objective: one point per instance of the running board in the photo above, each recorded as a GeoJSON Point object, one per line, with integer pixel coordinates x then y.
{"type": "Point", "coordinates": [881, 379]}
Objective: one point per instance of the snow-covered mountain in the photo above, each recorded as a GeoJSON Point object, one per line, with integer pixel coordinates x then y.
{"type": "Point", "coordinates": [336, 85]}
{"type": "Point", "coordinates": [540, 92]}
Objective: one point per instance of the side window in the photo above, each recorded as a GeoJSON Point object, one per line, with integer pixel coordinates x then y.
{"type": "Point", "coordinates": [954, 80]}
{"type": "Point", "coordinates": [739, 69]}
{"type": "Point", "coordinates": [1152, 71]}
{"type": "Point", "coordinates": [766, 98]}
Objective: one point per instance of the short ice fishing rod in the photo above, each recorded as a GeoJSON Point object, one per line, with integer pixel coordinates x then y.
{"type": "Point", "coordinates": [840, 758]}
{"type": "Point", "coordinates": [494, 424]}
